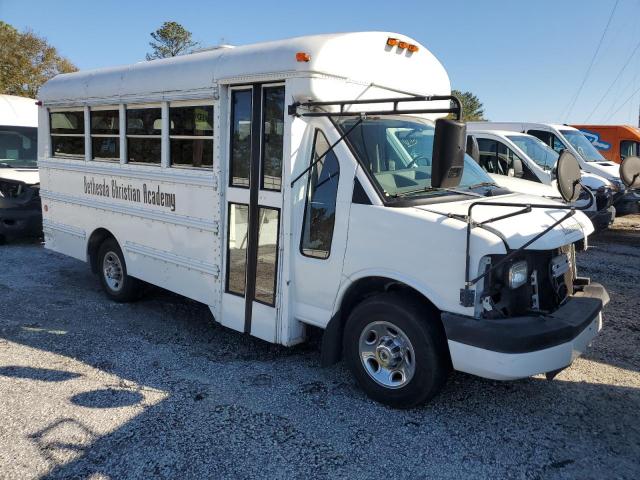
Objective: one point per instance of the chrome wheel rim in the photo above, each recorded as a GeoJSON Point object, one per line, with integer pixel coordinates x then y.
{"type": "Point", "coordinates": [387, 354]}
{"type": "Point", "coordinates": [112, 271]}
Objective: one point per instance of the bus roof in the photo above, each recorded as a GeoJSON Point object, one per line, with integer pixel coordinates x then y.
{"type": "Point", "coordinates": [360, 58]}
{"type": "Point", "coordinates": [18, 111]}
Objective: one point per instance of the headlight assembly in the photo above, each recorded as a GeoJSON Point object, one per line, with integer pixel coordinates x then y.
{"type": "Point", "coordinates": [517, 275]}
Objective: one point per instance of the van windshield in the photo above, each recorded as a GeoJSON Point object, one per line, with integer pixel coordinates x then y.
{"type": "Point", "coordinates": [397, 151]}
{"type": "Point", "coordinates": [18, 147]}
{"type": "Point", "coordinates": [583, 146]}
{"type": "Point", "coordinates": [536, 150]}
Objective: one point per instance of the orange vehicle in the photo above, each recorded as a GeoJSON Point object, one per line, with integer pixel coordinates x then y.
{"type": "Point", "coordinates": [614, 142]}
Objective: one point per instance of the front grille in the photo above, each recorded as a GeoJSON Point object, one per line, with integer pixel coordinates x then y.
{"type": "Point", "coordinates": [604, 199]}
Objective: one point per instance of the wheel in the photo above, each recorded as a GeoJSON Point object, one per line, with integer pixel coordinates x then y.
{"type": "Point", "coordinates": [396, 349]}
{"type": "Point", "coordinates": [113, 273]}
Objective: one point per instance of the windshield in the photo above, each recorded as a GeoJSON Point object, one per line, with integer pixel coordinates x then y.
{"type": "Point", "coordinates": [18, 147]}
{"type": "Point", "coordinates": [536, 150]}
{"type": "Point", "coordinates": [583, 146]}
{"type": "Point", "coordinates": [397, 151]}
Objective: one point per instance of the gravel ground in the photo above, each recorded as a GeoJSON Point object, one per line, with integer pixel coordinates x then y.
{"type": "Point", "coordinates": [94, 389]}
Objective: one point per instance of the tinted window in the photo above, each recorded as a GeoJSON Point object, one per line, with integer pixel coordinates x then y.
{"type": "Point", "coordinates": [143, 150]}
{"type": "Point", "coordinates": [105, 122]}
{"type": "Point", "coordinates": [192, 153]}
{"type": "Point", "coordinates": [488, 151]}
{"type": "Point", "coordinates": [67, 133]}
{"type": "Point", "coordinates": [629, 148]}
{"type": "Point", "coordinates": [240, 138]}
{"type": "Point", "coordinates": [144, 121]}
{"type": "Point", "coordinates": [192, 121]}
{"type": "Point", "coordinates": [105, 147]}
{"type": "Point", "coordinates": [320, 208]}
{"type": "Point", "coordinates": [67, 122]}
{"type": "Point", "coordinates": [18, 147]}
{"type": "Point", "coordinates": [237, 248]}
{"type": "Point", "coordinates": [273, 140]}
{"type": "Point", "coordinates": [191, 136]}
{"type": "Point", "coordinates": [144, 126]}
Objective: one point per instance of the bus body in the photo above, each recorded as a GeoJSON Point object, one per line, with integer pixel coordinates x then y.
{"type": "Point", "coordinates": [614, 142]}
{"type": "Point", "coordinates": [499, 148]}
{"type": "Point", "coordinates": [561, 137]}
{"type": "Point", "coordinates": [20, 211]}
{"type": "Point", "coordinates": [209, 175]}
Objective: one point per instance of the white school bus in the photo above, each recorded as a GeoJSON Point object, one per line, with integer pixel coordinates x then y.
{"type": "Point", "coordinates": [315, 181]}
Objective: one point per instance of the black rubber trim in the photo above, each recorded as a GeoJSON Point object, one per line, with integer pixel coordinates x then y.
{"type": "Point", "coordinates": [359, 195]}
{"type": "Point", "coordinates": [331, 349]}
{"type": "Point", "coordinates": [529, 333]}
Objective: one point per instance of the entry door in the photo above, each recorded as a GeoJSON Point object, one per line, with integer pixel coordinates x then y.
{"type": "Point", "coordinates": [254, 201]}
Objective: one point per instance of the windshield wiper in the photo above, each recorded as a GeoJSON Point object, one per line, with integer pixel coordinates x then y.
{"type": "Point", "coordinates": [434, 189]}
{"type": "Point", "coordinates": [482, 184]}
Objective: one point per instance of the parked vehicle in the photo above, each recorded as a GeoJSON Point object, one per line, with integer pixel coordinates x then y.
{"type": "Point", "coordinates": [561, 137]}
{"type": "Point", "coordinates": [520, 156]}
{"type": "Point", "coordinates": [20, 211]}
{"type": "Point", "coordinates": [614, 142]}
{"type": "Point", "coordinates": [298, 183]}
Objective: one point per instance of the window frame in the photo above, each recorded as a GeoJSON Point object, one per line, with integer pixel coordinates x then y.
{"type": "Point", "coordinates": [99, 108]}
{"type": "Point", "coordinates": [127, 136]}
{"type": "Point", "coordinates": [68, 156]}
{"type": "Point", "coordinates": [307, 193]}
{"type": "Point", "coordinates": [192, 103]}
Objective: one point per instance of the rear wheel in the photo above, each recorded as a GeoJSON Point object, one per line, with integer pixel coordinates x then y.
{"type": "Point", "coordinates": [112, 270]}
{"type": "Point", "coordinates": [396, 350]}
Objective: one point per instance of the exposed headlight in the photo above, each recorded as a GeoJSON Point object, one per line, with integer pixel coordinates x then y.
{"type": "Point", "coordinates": [518, 274]}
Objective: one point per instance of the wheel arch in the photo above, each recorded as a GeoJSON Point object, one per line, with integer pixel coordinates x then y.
{"type": "Point", "coordinates": [351, 295]}
{"type": "Point", "coordinates": [97, 237]}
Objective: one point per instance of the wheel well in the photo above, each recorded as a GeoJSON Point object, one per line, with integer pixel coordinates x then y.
{"type": "Point", "coordinates": [95, 240]}
{"type": "Point", "coordinates": [356, 293]}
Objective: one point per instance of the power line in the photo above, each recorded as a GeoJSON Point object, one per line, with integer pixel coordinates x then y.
{"type": "Point", "coordinates": [623, 103]}
{"type": "Point", "coordinates": [593, 59]}
{"type": "Point", "coordinates": [614, 82]}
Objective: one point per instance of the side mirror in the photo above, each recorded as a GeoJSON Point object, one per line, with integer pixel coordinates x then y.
{"type": "Point", "coordinates": [473, 149]}
{"type": "Point", "coordinates": [630, 172]}
{"type": "Point", "coordinates": [569, 175]}
{"type": "Point", "coordinates": [449, 142]}
{"type": "Point", "coordinates": [518, 172]}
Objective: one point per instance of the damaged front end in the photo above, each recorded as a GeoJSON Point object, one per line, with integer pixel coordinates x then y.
{"type": "Point", "coordinates": [20, 210]}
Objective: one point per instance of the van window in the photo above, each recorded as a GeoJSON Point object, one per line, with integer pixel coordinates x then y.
{"type": "Point", "coordinates": [240, 138]}
{"type": "Point", "coordinates": [105, 134]}
{"type": "Point", "coordinates": [18, 147]}
{"type": "Point", "coordinates": [629, 148]}
{"type": "Point", "coordinates": [67, 133]}
{"type": "Point", "coordinates": [320, 207]}
{"type": "Point", "coordinates": [191, 136]}
{"type": "Point", "coordinates": [549, 138]}
{"type": "Point", "coordinates": [273, 138]}
{"type": "Point", "coordinates": [144, 127]}
{"type": "Point", "coordinates": [584, 147]}
{"type": "Point", "coordinates": [496, 157]}
{"type": "Point", "coordinates": [536, 149]}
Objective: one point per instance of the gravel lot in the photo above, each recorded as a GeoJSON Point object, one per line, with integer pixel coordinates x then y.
{"type": "Point", "coordinates": [94, 389]}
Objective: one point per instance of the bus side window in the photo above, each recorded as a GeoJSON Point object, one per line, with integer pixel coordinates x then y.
{"type": "Point", "coordinates": [320, 207]}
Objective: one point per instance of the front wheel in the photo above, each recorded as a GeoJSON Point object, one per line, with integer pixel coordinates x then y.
{"type": "Point", "coordinates": [396, 350]}
{"type": "Point", "coordinates": [113, 273]}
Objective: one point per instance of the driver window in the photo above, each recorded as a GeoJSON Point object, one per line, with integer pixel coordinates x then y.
{"type": "Point", "coordinates": [548, 138]}
{"type": "Point", "coordinates": [489, 156]}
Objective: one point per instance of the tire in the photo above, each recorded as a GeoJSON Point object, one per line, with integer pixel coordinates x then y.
{"type": "Point", "coordinates": [377, 329]}
{"type": "Point", "coordinates": [116, 283]}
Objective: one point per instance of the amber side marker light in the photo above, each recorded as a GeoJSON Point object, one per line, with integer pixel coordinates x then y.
{"type": "Point", "coordinates": [392, 42]}
{"type": "Point", "coordinates": [303, 57]}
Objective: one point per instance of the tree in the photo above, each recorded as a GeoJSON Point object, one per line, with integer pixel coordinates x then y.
{"type": "Point", "coordinates": [170, 40]}
{"type": "Point", "coordinates": [472, 108]}
{"type": "Point", "coordinates": [27, 61]}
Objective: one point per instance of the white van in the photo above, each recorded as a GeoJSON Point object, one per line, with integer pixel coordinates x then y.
{"type": "Point", "coordinates": [20, 211]}
{"type": "Point", "coordinates": [561, 137]}
{"type": "Point", "coordinates": [314, 181]}
{"type": "Point", "coordinates": [526, 159]}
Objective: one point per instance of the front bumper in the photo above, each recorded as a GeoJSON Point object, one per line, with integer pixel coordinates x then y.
{"type": "Point", "coordinates": [627, 203]}
{"type": "Point", "coordinates": [20, 220]}
{"type": "Point", "coordinates": [518, 347]}
{"type": "Point", "coordinates": [603, 218]}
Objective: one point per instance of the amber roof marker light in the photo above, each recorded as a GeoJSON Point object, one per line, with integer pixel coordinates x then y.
{"type": "Point", "coordinates": [392, 42]}
{"type": "Point", "coordinates": [303, 57]}
{"type": "Point", "coordinates": [413, 48]}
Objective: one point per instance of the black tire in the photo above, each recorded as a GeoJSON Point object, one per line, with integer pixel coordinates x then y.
{"type": "Point", "coordinates": [127, 288]}
{"type": "Point", "coordinates": [417, 322]}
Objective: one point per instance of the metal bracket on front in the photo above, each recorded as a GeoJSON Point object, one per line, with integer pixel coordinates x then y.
{"type": "Point", "coordinates": [467, 297]}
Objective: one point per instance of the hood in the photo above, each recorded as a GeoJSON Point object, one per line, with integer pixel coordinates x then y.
{"type": "Point", "coordinates": [30, 176]}
{"type": "Point", "coordinates": [605, 168]}
{"type": "Point", "coordinates": [594, 181]}
{"type": "Point", "coordinates": [520, 229]}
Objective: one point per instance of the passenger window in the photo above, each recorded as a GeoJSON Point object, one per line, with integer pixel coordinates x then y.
{"type": "Point", "coordinates": [489, 155]}
{"type": "Point", "coordinates": [191, 136]}
{"type": "Point", "coordinates": [320, 207]}
{"type": "Point", "coordinates": [549, 138]}
{"type": "Point", "coordinates": [266, 266]}
{"type": "Point", "coordinates": [240, 138]}
{"type": "Point", "coordinates": [629, 148]}
{"type": "Point", "coordinates": [105, 134]}
{"type": "Point", "coordinates": [67, 133]}
{"type": "Point", "coordinates": [144, 127]}
{"type": "Point", "coordinates": [273, 138]}
{"type": "Point", "coordinates": [238, 218]}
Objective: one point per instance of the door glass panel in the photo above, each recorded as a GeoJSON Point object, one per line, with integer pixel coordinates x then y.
{"type": "Point", "coordinates": [320, 209]}
{"type": "Point", "coordinates": [237, 248]}
{"type": "Point", "coordinates": [273, 139]}
{"type": "Point", "coordinates": [268, 219]}
{"type": "Point", "coordinates": [240, 138]}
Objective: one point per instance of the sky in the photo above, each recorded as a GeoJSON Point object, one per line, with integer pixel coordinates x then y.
{"type": "Point", "coordinates": [525, 60]}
